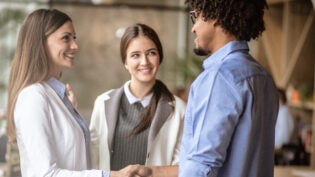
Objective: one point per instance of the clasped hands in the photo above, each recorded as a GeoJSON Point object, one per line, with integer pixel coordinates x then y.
{"type": "Point", "coordinates": [130, 170]}
{"type": "Point", "coordinates": [133, 171]}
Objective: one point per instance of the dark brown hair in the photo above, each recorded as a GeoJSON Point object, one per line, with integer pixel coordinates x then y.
{"type": "Point", "coordinates": [282, 95]}
{"type": "Point", "coordinates": [159, 89]}
{"type": "Point", "coordinates": [136, 31]}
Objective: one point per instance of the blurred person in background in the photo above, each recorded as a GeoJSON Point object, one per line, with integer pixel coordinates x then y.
{"type": "Point", "coordinates": [181, 92]}
{"type": "Point", "coordinates": [285, 122]}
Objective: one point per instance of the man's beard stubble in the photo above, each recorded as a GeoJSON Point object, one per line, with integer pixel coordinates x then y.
{"type": "Point", "coordinates": [200, 52]}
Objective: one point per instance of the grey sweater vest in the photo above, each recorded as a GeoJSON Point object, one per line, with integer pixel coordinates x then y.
{"type": "Point", "coordinates": [129, 149]}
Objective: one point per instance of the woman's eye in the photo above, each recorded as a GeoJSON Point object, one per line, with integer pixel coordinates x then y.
{"type": "Point", "coordinates": [135, 55]}
{"type": "Point", "coordinates": [66, 38]}
{"type": "Point", "coordinates": [152, 53]}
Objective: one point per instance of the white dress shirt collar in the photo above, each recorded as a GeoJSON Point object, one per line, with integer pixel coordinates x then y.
{"type": "Point", "coordinates": [132, 99]}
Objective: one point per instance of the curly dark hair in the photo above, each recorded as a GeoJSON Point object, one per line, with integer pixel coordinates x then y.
{"type": "Point", "coordinates": [241, 18]}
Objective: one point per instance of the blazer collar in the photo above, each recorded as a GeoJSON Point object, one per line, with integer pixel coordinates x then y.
{"type": "Point", "coordinates": [162, 113]}
{"type": "Point", "coordinates": [112, 105]}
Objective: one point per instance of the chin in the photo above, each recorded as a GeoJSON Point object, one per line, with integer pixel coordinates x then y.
{"type": "Point", "coordinates": [70, 65]}
{"type": "Point", "coordinates": [200, 52]}
{"type": "Point", "coordinates": [147, 80]}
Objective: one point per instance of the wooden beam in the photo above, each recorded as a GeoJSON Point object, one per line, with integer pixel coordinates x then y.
{"type": "Point", "coordinates": [272, 38]}
{"type": "Point", "coordinates": [297, 50]}
{"type": "Point", "coordinates": [285, 39]}
{"type": "Point", "coordinates": [270, 59]}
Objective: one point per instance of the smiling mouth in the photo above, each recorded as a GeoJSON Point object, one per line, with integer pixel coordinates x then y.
{"type": "Point", "coordinates": [71, 56]}
{"type": "Point", "coordinates": [145, 70]}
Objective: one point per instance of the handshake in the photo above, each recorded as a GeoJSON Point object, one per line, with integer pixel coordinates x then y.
{"type": "Point", "coordinates": [144, 171]}
{"type": "Point", "coordinates": [133, 171]}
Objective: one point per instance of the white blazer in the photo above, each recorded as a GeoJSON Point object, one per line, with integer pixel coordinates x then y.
{"type": "Point", "coordinates": [50, 141]}
{"type": "Point", "coordinates": [164, 135]}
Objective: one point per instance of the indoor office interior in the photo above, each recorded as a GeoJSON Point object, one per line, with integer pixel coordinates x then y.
{"type": "Point", "coordinates": [286, 49]}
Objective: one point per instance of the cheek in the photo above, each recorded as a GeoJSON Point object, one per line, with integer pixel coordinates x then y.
{"type": "Point", "coordinates": [128, 66]}
{"type": "Point", "coordinates": [53, 49]}
{"type": "Point", "coordinates": [156, 61]}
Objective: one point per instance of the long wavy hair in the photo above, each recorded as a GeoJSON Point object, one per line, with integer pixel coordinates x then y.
{"type": "Point", "coordinates": [159, 89]}
{"type": "Point", "coordinates": [31, 63]}
{"type": "Point", "coordinates": [241, 18]}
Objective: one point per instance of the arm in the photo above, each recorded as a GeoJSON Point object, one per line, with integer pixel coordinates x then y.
{"type": "Point", "coordinates": [95, 137]}
{"type": "Point", "coordinates": [132, 171]}
{"type": "Point", "coordinates": [36, 137]}
{"type": "Point", "coordinates": [162, 171]}
{"type": "Point", "coordinates": [35, 133]}
{"type": "Point", "coordinates": [211, 116]}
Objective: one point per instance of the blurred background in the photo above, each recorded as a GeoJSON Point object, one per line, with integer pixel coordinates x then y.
{"type": "Point", "coordinates": [286, 49]}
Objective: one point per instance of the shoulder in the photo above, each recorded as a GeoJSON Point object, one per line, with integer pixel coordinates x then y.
{"type": "Point", "coordinates": [240, 66]}
{"type": "Point", "coordinates": [33, 96]}
{"type": "Point", "coordinates": [108, 95]}
{"type": "Point", "coordinates": [179, 102]}
{"type": "Point", "coordinates": [33, 88]}
{"type": "Point", "coordinates": [105, 95]}
{"type": "Point", "coordinates": [33, 92]}
{"type": "Point", "coordinates": [180, 105]}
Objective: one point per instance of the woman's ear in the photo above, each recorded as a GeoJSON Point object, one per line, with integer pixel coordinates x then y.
{"type": "Point", "coordinates": [126, 66]}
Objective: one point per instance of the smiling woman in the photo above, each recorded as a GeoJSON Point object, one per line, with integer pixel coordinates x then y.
{"type": "Point", "coordinates": [142, 121]}
{"type": "Point", "coordinates": [53, 139]}
{"type": "Point", "coordinates": [62, 47]}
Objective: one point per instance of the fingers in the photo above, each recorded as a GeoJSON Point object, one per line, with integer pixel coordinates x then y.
{"type": "Point", "coordinates": [133, 171]}
{"type": "Point", "coordinates": [139, 171]}
{"type": "Point", "coordinates": [144, 171]}
{"type": "Point", "coordinates": [71, 95]}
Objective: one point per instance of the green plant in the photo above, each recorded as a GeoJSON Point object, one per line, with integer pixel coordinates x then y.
{"type": "Point", "coordinates": [188, 68]}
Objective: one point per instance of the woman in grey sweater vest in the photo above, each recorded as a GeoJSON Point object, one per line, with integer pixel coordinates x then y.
{"type": "Point", "coordinates": [141, 122]}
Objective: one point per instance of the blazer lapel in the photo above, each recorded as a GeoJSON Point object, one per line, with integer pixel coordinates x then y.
{"type": "Point", "coordinates": [112, 106]}
{"type": "Point", "coordinates": [163, 110]}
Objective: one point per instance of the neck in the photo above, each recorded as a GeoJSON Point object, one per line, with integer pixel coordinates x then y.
{"type": "Point", "coordinates": [222, 38]}
{"type": "Point", "coordinates": [140, 90]}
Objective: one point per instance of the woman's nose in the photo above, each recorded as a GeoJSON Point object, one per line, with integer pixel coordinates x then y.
{"type": "Point", "coordinates": [144, 59]}
{"type": "Point", "coordinates": [74, 46]}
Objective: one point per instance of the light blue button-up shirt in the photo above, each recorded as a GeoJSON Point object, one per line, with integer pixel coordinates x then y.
{"type": "Point", "coordinates": [230, 118]}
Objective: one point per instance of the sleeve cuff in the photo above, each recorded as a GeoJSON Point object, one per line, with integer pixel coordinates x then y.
{"type": "Point", "coordinates": [105, 173]}
{"type": "Point", "coordinates": [191, 168]}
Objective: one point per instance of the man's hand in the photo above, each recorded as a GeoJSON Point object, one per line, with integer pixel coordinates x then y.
{"type": "Point", "coordinates": [132, 171]}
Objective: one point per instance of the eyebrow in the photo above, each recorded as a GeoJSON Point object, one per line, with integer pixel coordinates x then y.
{"type": "Point", "coordinates": [152, 49]}
{"type": "Point", "coordinates": [69, 33]}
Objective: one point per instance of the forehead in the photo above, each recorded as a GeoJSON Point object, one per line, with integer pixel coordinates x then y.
{"type": "Point", "coordinates": [65, 28]}
{"type": "Point", "coordinates": [140, 43]}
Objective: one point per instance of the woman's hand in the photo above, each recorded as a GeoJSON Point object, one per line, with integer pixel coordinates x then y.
{"type": "Point", "coordinates": [132, 171]}
{"type": "Point", "coordinates": [71, 95]}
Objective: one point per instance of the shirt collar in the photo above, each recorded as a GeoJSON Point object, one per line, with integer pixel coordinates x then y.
{"type": "Point", "coordinates": [132, 99]}
{"type": "Point", "coordinates": [57, 86]}
{"type": "Point", "coordinates": [220, 54]}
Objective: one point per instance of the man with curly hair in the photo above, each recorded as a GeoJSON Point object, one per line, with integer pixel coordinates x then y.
{"type": "Point", "coordinates": [233, 104]}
